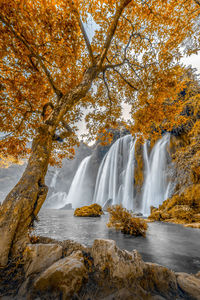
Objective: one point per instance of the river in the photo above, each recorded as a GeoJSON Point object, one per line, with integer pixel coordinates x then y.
{"type": "Point", "coordinates": [170, 245]}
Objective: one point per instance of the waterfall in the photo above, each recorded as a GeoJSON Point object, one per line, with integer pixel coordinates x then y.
{"type": "Point", "coordinates": [114, 183]}
{"type": "Point", "coordinates": [81, 190]}
{"type": "Point", "coordinates": [156, 186]}
{"type": "Point", "coordinates": [115, 178]}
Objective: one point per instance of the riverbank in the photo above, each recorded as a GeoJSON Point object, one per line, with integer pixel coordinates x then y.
{"type": "Point", "coordinates": [68, 270]}
{"type": "Point", "coordinates": [170, 245]}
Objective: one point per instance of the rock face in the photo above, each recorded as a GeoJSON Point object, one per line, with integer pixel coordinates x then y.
{"type": "Point", "coordinates": [190, 285]}
{"type": "Point", "coordinates": [37, 257]}
{"type": "Point", "coordinates": [121, 264]}
{"type": "Point", "coordinates": [66, 275]}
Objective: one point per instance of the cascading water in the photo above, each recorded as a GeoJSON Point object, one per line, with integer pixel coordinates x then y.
{"type": "Point", "coordinates": [115, 178]}
{"type": "Point", "coordinates": [81, 190]}
{"type": "Point", "coordinates": [156, 186]}
{"type": "Point", "coordinates": [114, 183]}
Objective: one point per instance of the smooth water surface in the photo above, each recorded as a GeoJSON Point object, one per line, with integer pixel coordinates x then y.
{"type": "Point", "coordinates": [173, 246]}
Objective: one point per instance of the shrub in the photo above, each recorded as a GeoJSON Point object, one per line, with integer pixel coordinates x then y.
{"type": "Point", "coordinates": [93, 210]}
{"type": "Point", "coordinates": [183, 208]}
{"type": "Point", "coordinates": [122, 219]}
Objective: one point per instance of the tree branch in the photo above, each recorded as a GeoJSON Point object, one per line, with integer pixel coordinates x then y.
{"type": "Point", "coordinates": [108, 91]}
{"type": "Point", "coordinates": [85, 36]}
{"type": "Point", "coordinates": [112, 30]}
{"type": "Point", "coordinates": [37, 56]}
{"type": "Point", "coordinates": [125, 80]}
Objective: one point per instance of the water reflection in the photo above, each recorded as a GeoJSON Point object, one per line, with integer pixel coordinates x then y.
{"type": "Point", "coordinates": [167, 244]}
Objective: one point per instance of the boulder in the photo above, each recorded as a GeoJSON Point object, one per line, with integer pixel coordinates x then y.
{"type": "Point", "coordinates": [38, 257]}
{"type": "Point", "coordinates": [159, 279]}
{"type": "Point", "coordinates": [70, 246]}
{"type": "Point", "coordinates": [190, 285]}
{"type": "Point", "coordinates": [93, 210]}
{"type": "Point", "coordinates": [66, 276]}
{"type": "Point", "coordinates": [120, 264]}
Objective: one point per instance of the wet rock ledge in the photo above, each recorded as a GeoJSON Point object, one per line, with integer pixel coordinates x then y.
{"type": "Point", "coordinates": [50, 269]}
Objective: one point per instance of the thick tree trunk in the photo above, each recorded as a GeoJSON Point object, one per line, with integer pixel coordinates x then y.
{"type": "Point", "coordinates": [23, 203]}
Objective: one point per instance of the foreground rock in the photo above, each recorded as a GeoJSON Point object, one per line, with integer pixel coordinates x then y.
{"type": "Point", "coordinates": [189, 284]}
{"type": "Point", "coordinates": [70, 270]}
{"type": "Point", "coordinates": [66, 275]}
{"type": "Point", "coordinates": [121, 264]}
{"type": "Point", "coordinates": [93, 210]}
{"type": "Point", "coordinates": [40, 256]}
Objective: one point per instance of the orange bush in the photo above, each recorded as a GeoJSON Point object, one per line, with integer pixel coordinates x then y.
{"type": "Point", "coordinates": [122, 219]}
{"type": "Point", "coordinates": [93, 210]}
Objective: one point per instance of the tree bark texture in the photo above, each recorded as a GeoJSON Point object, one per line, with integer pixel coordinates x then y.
{"type": "Point", "coordinates": [23, 203]}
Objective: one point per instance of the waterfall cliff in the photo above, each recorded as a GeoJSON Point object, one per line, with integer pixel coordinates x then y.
{"type": "Point", "coordinates": [115, 181]}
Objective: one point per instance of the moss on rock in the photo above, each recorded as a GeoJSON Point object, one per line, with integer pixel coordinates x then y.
{"type": "Point", "coordinates": [93, 210]}
{"type": "Point", "coordinates": [182, 209]}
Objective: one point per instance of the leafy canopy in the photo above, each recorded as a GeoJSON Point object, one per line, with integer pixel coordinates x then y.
{"type": "Point", "coordinates": [45, 51]}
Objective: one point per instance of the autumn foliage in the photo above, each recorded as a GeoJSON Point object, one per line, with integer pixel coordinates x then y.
{"type": "Point", "coordinates": [46, 49]}
{"type": "Point", "coordinates": [123, 220]}
{"type": "Point", "coordinates": [183, 208]}
{"type": "Point", "coordinates": [54, 72]}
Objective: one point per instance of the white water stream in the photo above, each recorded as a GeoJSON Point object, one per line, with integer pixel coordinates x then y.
{"type": "Point", "coordinates": [156, 185]}
{"type": "Point", "coordinates": [81, 192]}
{"type": "Point", "coordinates": [115, 178]}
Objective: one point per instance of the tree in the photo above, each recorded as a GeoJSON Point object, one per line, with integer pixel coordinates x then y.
{"type": "Point", "coordinates": [48, 66]}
